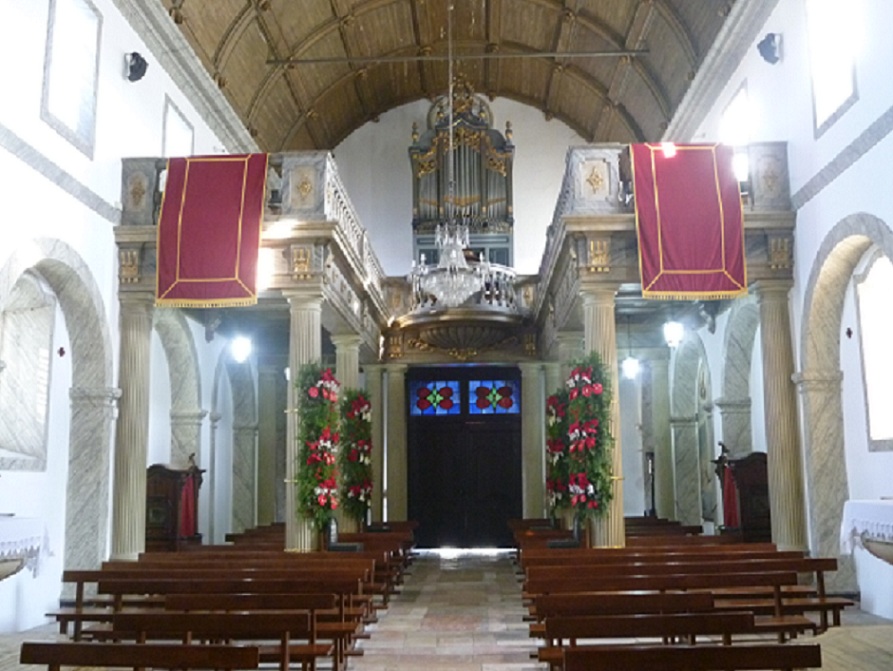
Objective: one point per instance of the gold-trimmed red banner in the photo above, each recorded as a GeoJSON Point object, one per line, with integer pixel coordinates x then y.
{"type": "Point", "coordinates": [689, 221]}
{"type": "Point", "coordinates": [209, 231]}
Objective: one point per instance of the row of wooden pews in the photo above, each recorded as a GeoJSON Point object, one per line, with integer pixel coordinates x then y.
{"type": "Point", "coordinates": [290, 608]}
{"type": "Point", "coordinates": [681, 587]}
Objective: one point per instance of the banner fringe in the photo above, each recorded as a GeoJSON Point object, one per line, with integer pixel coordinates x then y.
{"type": "Point", "coordinates": [713, 296]}
{"type": "Point", "coordinates": [216, 303]}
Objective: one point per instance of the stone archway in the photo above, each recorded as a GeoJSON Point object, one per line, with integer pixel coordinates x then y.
{"type": "Point", "coordinates": [820, 380]}
{"type": "Point", "coordinates": [186, 412]}
{"type": "Point", "coordinates": [692, 433]}
{"type": "Point", "coordinates": [92, 394]}
{"type": "Point", "coordinates": [735, 403]}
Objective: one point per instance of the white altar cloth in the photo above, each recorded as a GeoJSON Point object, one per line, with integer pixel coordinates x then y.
{"type": "Point", "coordinates": [21, 538]}
{"type": "Point", "coordinates": [871, 519]}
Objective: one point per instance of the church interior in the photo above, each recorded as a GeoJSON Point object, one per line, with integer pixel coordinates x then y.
{"type": "Point", "coordinates": [456, 209]}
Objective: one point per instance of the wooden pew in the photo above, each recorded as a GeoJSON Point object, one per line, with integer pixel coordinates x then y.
{"type": "Point", "coordinates": [692, 658]}
{"type": "Point", "coordinates": [285, 627]}
{"type": "Point", "coordinates": [654, 625]}
{"type": "Point", "coordinates": [58, 654]}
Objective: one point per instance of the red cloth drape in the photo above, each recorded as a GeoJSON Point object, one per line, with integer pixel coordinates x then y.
{"type": "Point", "coordinates": [187, 508]}
{"type": "Point", "coordinates": [689, 222]}
{"type": "Point", "coordinates": [209, 231]}
{"type": "Point", "coordinates": [729, 499]}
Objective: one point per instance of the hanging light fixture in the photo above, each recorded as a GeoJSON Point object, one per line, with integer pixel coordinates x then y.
{"type": "Point", "coordinates": [451, 281]}
{"type": "Point", "coordinates": [673, 333]}
{"type": "Point", "coordinates": [630, 365]}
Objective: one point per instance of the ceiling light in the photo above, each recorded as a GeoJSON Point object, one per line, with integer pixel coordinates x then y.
{"type": "Point", "coordinates": [240, 348]}
{"type": "Point", "coordinates": [673, 333]}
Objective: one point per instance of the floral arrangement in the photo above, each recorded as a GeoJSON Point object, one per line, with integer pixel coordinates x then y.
{"type": "Point", "coordinates": [578, 443]}
{"type": "Point", "coordinates": [318, 439]}
{"type": "Point", "coordinates": [356, 454]}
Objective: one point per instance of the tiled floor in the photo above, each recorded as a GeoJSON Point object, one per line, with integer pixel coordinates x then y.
{"type": "Point", "coordinates": [464, 613]}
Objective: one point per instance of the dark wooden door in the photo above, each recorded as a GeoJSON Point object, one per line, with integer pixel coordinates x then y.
{"type": "Point", "coordinates": [464, 479]}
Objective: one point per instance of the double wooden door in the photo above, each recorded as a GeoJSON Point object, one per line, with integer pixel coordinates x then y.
{"type": "Point", "coordinates": [464, 479]}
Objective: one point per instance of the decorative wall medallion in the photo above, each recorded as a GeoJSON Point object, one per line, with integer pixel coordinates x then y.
{"type": "Point", "coordinates": [137, 188]}
{"type": "Point", "coordinates": [599, 255]}
{"type": "Point", "coordinates": [770, 176]}
{"type": "Point", "coordinates": [128, 266]}
{"type": "Point", "coordinates": [595, 177]}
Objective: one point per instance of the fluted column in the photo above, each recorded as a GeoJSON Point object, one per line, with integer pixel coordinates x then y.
{"type": "Point", "coordinates": [373, 374]}
{"type": "Point", "coordinates": [347, 370]}
{"type": "Point", "coordinates": [304, 346]}
{"type": "Point", "coordinates": [244, 476]}
{"type": "Point", "coordinates": [533, 440]}
{"type": "Point", "coordinates": [131, 438]}
{"type": "Point", "coordinates": [87, 495]}
{"type": "Point", "coordinates": [186, 435]}
{"type": "Point", "coordinates": [664, 462]}
{"type": "Point", "coordinates": [786, 489]}
{"type": "Point", "coordinates": [268, 410]}
{"type": "Point", "coordinates": [600, 335]}
{"type": "Point", "coordinates": [570, 347]}
{"type": "Point", "coordinates": [398, 503]}
{"type": "Point", "coordinates": [552, 371]}
{"type": "Point", "coordinates": [826, 470]}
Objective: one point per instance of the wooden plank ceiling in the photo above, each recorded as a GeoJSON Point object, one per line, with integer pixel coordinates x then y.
{"type": "Point", "coordinates": [258, 52]}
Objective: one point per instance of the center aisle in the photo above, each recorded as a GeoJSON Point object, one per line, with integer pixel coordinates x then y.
{"type": "Point", "coordinates": [459, 611]}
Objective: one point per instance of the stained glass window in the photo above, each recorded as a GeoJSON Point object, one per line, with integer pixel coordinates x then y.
{"type": "Point", "coordinates": [494, 397]}
{"type": "Point", "coordinates": [435, 397]}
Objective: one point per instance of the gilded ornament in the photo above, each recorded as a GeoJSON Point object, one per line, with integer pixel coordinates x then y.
{"type": "Point", "coordinates": [599, 256]}
{"type": "Point", "coordinates": [129, 266]}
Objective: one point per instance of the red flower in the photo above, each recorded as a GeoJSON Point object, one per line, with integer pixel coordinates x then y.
{"type": "Point", "coordinates": [597, 388]}
{"type": "Point", "coordinates": [313, 392]}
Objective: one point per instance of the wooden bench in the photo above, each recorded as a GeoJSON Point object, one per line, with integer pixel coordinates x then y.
{"type": "Point", "coordinates": [285, 627]}
{"type": "Point", "coordinates": [692, 658]}
{"type": "Point", "coordinates": [56, 654]}
{"type": "Point", "coordinates": [664, 626]}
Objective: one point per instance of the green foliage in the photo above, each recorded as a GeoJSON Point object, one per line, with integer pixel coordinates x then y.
{"type": "Point", "coordinates": [579, 442]}
{"type": "Point", "coordinates": [317, 495]}
{"type": "Point", "coordinates": [355, 456]}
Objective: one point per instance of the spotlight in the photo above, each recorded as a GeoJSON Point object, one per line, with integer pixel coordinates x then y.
{"type": "Point", "coordinates": [770, 48]}
{"type": "Point", "coordinates": [136, 66]}
{"type": "Point", "coordinates": [240, 348]}
{"type": "Point", "coordinates": [673, 333]}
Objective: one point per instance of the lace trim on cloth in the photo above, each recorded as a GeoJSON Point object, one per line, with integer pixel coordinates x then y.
{"type": "Point", "coordinates": [22, 538]}
{"type": "Point", "coordinates": [865, 520]}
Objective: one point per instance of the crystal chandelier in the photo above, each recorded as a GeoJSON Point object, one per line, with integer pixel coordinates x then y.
{"type": "Point", "coordinates": [452, 281]}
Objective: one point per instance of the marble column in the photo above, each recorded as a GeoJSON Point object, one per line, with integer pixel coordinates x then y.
{"type": "Point", "coordinates": [396, 459]}
{"type": "Point", "coordinates": [553, 377]}
{"type": "Point", "coordinates": [268, 410]}
{"type": "Point", "coordinates": [347, 370]}
{"type": "Point", "coordinates": [687, 469]}
{"type": "Point", "coordinates": [244, 477]}
{"type": "Point", "coordinates": [533, 441]}
{"type": "Point", "coordinates": [826, 471]}
{"type": "Point", "coordinates": [304, 346]}
{"type": "Point", "coordinates": [132, 435]}
{"type": "Point", "coordinates": [601, 336]}
{"type": "Point", "coordinates": [735, 420]}
{"type": "Point", "coordinates": [373, 375]}
{"type": "Point", "coordinates": [214, 420]}
{"type": "Point", "coordinates": [87, 494]}
{"type": "Point", "coordinates": [571, 346]}
{"type": "Point", "coordinates": [786, 487]}
{"type": "Point", "coordinates": [186, 435]}
{"type": "Point", "coordinates": [664, 460]}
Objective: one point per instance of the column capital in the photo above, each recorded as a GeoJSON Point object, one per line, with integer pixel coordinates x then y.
{"type": "Point", "coordinates": [137, 300]}
{"type": "Point", "coordinates": [396, 368]}
{"type": "Point", "coordinates": [308, 299]}
{"type": "Point", "coordinates": [601, 293]}
{"type": "Point", "coordinates": [530, 368]}
{"type": "Point", "coordinates": [107, 395]}
{"type": "Point", "coordinates": [765, 289]}
{"type": "Point", "coordinates": [188, 416]}
{"type": "Point", "coordinates": [346, 340]}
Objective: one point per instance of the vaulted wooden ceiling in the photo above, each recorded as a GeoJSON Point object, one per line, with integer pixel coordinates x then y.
{"type": "Point", "coordinates": [302, 74]}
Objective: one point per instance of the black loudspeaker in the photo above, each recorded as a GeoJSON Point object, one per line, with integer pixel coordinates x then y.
{"type": "Point", "coordinates": [136, 66]}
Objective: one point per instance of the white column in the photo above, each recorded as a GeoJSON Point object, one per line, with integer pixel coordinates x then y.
{"type": "Point", "coordinates": [533, 440]}
{"type": "Point", "coordinates": [305, 346]}
{"type": "Point", "coordinates": [268, 411]}
{"type": "Point", "coordinates": [397, 468]}
{"type": "Point", "coordinates": [664, 462]}
{"type": "Point", "coordinates": [131, 438]}
{"type": "Point", "coordinates": [601, 336]}
{"type": "Point", "coordinates": [373, 375]}
{"type": "Point", "coordinates": [347, 360]}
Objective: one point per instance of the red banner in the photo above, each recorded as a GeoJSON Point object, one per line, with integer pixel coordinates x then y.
{"type": "Point", "coordinates": [209, 231]}
{"type": "Point", "coordinates": [689, 222]}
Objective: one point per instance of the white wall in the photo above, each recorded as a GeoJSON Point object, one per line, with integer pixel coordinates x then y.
{"type": "Point", "coordinates": [374, 163]}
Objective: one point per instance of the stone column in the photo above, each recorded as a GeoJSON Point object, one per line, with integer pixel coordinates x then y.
{"type": "Point", "coordinates": [735, 420]}
{"type": "Point", "coordinates": [244, 476]}
{"type": "Point", "coordinates": [347, 370]}
{"type": "Point", "coordinates": [601, 336]}
{"type": "Point", "coordinates": [186, 435]}
{"type": "Point", "coordinates": [533, 440]}
{"type": "Point", "coordinates": [687, 469]}
{"type": "Point", "coordinates": [396, 459]}
{"type": "Point", "coordinates": [304, 346]}
{"type": "Point", "coordinates": [268, 410]}
{"type": "Point", "coordinates": [132, 435]}
{"type": "Point", "coordinates": [664, 460]}
{"type": "Point", "coordinates": [786, 488]}
{"type": "Point", "coordinates": [826, 470]}
{"type": "Point", "coordinates": [553, 377]}
{"type": "Point", "coordinates": [570, 347]}
{"type": "Point", "coordinates": [376, 398]}
{"type": "Point", "coordinates": [87, 494]}
{"type": "Point", "coordinates": [214, 419]}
